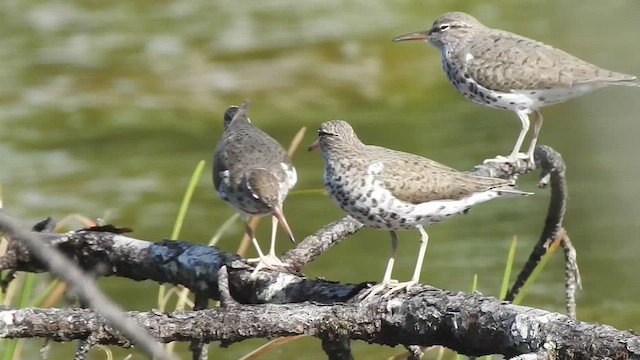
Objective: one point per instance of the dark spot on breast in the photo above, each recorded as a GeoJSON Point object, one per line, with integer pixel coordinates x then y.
{"type": "Point", "coordinates": [542, 98]}
{"type": "Point", "coordinates": [441, 207]}
{"type": "Point", "coordinates": [511, 103]}
{"type": "Point", "coordinates": [371, 217]}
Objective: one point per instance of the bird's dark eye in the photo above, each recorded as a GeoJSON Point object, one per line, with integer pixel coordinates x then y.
{"type": "Point", "coordinates": [443, 27]}
{"type": "Point", "coordinates": [322, 133]}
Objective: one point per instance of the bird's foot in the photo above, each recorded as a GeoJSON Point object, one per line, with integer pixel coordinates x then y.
{"type": "Point", "coordinates": [269, 261]}
{"type": "Point", "coordinates": [511, 159]}
{"type": "Point", "coordinates": [399, 287]}
{"type": "Point", "coordinates": [375, 289]}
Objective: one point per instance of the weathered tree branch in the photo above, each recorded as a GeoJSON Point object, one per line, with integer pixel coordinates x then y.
{"type": "Point", "coordinates": [212, 273]}
{"type": "Point", "coordinates": [469, 323]}
{"type": "Point", "coordinates": [83, 285]}
{"type": "Point", "coordinates": [553, 172]}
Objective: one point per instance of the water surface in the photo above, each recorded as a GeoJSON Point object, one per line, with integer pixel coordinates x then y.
{"type": "Point", "coordinates": [106, 108]}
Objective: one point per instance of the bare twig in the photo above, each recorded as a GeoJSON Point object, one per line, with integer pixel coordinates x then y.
{"type": "Point", "coordinates": [553, 172]}
{"type": "Point", "coordinates": [337, 348]}
{"type": "Point", "coordinates": [199, 348]}
{"type": "Point", "coordinates": [226, 299]}
{"type": "Point", "coordinates": [316, 244]}
{"type": "Point", "coordinates": [82, 285]}
{"type": "Point", "coordinates": [571, 274]}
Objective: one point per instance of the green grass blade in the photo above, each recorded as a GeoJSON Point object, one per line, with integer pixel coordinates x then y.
{"type": "Point", "coordinates": [25, 293]}
{"type": "Point", "coordinates": [223, 228]}
{"type": "Point", "coordinates": [508, 268]}
{"type": "Point", "coordinates": [536, 272]}
{"type": "Point", "coordinates": [177, 226]}
{"type": "Point", "coordinates": [474, 283]}
{"type": "Point", "coordinates": [182, 212]}
{"type": "Point", "coordinates": [8, 348]}
{"type": "Point", "coordinates": [8, 345]}
{"type": "Point", "coordinates": [37, 302]}
{"type": "Point", "coordinates": [308, 192]}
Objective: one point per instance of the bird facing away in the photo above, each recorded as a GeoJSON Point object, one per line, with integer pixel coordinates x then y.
{"type": "Point", "coordinates": [503, 70]}
{"type": "Point", "coordinates": [391, 190]}
{"type": "Point", "coordinates": [253, 173]}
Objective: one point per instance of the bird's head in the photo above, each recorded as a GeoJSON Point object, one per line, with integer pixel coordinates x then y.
{"type": "Point", "coordinates": [448, 30]}
{"type": "Point", "coordinates": [234, 113]}
{"type": "Point", "coordinates": [335, 134]}
{"type": "Point", "coordinates": [265, 187]}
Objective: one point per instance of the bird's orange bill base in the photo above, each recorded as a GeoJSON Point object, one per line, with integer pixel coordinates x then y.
{"type": "Point", "coordinates": [277, 213]}
{"type": "Point", "coordinates": [314, 145]}
{"type": "Point", "coordinates": [422, 35]}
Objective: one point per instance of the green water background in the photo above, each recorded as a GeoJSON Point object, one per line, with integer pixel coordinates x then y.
{"type": "Point", "coordinates": [106, 107]}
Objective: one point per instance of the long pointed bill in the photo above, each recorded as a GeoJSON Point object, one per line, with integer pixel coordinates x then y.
{"type": "Point", "coordinates": [277, 213]}
{"type": "Point", "coordinates": [314, 145]}
{"type": "Point", "coordinates": [421, 35]}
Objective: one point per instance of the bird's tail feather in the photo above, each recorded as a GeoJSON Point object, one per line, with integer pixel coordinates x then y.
{"type": "Point", "coordinates": [510, 192]}
{"type": "Point", "coordinates": [631, 83]}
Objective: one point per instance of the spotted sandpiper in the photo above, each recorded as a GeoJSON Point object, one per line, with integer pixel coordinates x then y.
{"type": "Point", "coordinates": [252, 172]}
{"type": "Point", "coordinates": [503, 70]}
{"type": "Point", "coordinates": [392, 190]}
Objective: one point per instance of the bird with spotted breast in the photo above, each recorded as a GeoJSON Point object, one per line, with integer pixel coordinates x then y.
{"type": "Point", "coordinates": [253, 173]}
{"type": "Point", "coordinates": [391, 190]}
{"type": "Point", "coordinates": [504, 70]}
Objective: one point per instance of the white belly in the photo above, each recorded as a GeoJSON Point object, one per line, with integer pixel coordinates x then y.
{"type": "Point", "coordinates": [374, 206]}
{"type": "Point", "coordinates": [516, 100]}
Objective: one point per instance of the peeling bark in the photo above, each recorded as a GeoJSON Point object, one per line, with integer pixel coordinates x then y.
{"type": "Point", "coordinates": [471, 324]}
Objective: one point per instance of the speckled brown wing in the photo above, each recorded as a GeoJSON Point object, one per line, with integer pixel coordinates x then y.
{"type": "Point", "coordinates": [244, 147]}
{"type": "Point", "coordinates": [415, 179]}
{"type": "Point", "coordinates": [504, 61]}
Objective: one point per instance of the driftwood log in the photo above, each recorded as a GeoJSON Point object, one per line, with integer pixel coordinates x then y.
{"type": "Point", "coordinates": [287, 303]}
